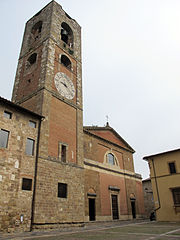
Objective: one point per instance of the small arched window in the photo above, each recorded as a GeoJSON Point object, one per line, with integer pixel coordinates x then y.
{"type": "Point", "coordinates": [36, 30]}
{"type": "Point", "coordinates": [67, 34]}
{"type": "Point", "coordinates": [111, 159]}
{"type": "Point", "coordinates": [65, 61]}
{"type": "Point", "coordinates": [31, 60]}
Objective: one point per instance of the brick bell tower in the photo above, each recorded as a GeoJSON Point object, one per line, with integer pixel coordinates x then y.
{"type": "Point", "coordinates": [49, 82]}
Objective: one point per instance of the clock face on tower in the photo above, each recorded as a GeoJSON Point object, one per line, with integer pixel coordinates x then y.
{"type": "Point", "coordinates": [64, 85]}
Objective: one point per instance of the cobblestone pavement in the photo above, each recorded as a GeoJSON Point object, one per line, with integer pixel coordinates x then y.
{"type": "Point", "coordinates": [117, 230]}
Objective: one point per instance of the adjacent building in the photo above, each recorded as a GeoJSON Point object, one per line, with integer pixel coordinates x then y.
{"type": "Point", "coordinates": [19, 144]}
{"type": "Point", "coordinates": [55, 172]}
{"type": "Point", "coordinates": [165, 179]}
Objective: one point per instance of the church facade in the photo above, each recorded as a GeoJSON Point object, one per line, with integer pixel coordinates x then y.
{"type": "Point", "coordinates": [55, 172]}
{"type": "Point", "coordinates": [111, 185]}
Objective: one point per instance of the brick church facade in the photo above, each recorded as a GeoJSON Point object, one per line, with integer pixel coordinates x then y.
{"type": "Point", "coordinates": [53, 171]}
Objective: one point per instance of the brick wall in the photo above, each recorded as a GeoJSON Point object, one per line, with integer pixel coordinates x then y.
{"type": "Point", "coordinates": [120, 176]}
{"type": "Point", "coordinates": [107, 180]}
{"type": "Point", "coordinates": [62, 129]}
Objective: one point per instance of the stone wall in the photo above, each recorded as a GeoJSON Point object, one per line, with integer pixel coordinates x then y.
{"type": "Point", "coordinates": [15, 203]}
{"type": "Point", "coordinates": [148, 197]}
{"type": "Point", "coordinates": [49, 208]}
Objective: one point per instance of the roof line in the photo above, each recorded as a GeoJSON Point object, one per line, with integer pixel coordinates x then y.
{"type": "Point", "coordinates": [14, 105]}
{"type": "Point", "coordinates": [154, 155]}
{"type": "Point", "coordinates": [107, 127]}
{"type": "Point", "coordinates": [115, 144]}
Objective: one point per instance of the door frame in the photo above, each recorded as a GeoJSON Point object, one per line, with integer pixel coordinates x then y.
{"type": "Point", "coordinates": [92, 198]}
{"type": "Point", "coordinates": [118, 205]}
{"type": "Point", "coordinates": [133, 208]}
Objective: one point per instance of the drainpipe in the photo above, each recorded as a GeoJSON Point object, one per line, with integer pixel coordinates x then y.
{"type": "Point", "coordinates": [35, 176]}
{"type": "Point", "coordinates": [155, 178]}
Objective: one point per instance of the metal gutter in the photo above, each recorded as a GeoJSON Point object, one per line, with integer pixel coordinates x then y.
{"type": "Point", "coordinates": [157, 190]}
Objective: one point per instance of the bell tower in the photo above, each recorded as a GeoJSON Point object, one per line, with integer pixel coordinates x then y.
{"type": "Point", "coordinates": [49, 82]}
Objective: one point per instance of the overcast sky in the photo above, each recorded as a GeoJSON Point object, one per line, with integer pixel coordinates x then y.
{"type": "Point", "coordinates": [131, 66]}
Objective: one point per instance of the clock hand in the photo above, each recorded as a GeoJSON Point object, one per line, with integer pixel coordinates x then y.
{"type": "Point", "coordinates": [64, 84]}
{"type": "Point", "coordinates": [67, 89]}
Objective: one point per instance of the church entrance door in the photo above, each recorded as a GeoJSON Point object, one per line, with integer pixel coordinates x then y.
{"type": "Point", "coordinates": [115, 211]}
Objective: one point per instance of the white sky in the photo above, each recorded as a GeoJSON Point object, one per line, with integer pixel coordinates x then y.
{"type": "Point", "coordinates": [131, 72]}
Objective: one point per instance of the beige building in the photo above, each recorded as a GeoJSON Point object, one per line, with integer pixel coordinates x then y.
{"type": "Point", "coordinates": [165, 179]}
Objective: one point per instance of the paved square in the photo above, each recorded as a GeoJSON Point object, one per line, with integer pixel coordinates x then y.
{"type": "Point", "coordinates": [139, 230]}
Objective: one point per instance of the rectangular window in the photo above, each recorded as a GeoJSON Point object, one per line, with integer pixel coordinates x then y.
{"type": "Point", "coordinates": [30, 146]}
{"type": "Point", "coordinates": [63, 152]}
{"type": "Point", "coordinates": [62, 190]}
{"type": "Point", "coordinates": [27, 184]}
{"type": "Point", "coordinates": [7, 115]}
{"type": "Point", "coordinates": [172, 167]}
{"type": "Point", "coordinates": [4, 135]}
{"type": "Point", "coordinates": [176, 196]}
{"type": "Point", "coordinates": [32, 124]}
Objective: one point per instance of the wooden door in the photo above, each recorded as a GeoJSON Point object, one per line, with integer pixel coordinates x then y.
{"type": "Point", "coordinates": [115, 210]}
